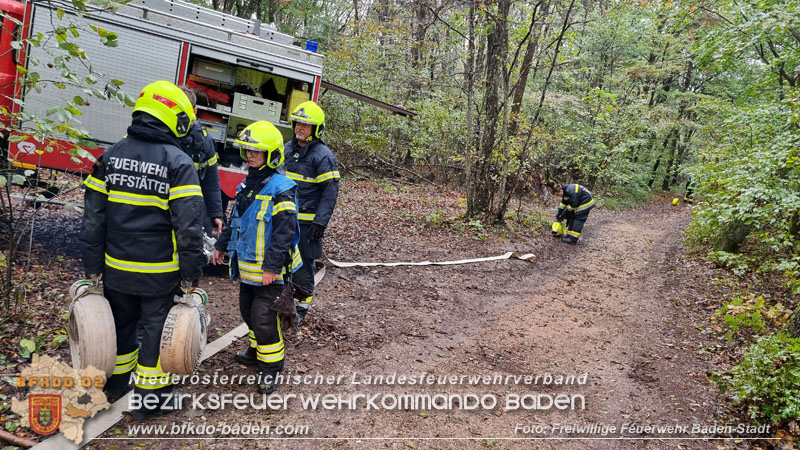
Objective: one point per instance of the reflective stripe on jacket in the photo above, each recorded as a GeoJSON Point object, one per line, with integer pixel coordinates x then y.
{"type": "Point", "coordinates": [575, 198]}
{"type": "Point", "coordinates": [200, 147]}
{"type": "Point", "coordinates": [316, 172]}
{"type": "Point", "coordinates": [252, 247]}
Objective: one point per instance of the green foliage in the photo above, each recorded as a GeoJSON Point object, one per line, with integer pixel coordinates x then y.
{"type": "Point", "coordinates": [620, 201]}
{"type": "Point", "coordinates": [749, 183]}
{"type": "Point", "coordinates": [27, 346]}
{"type": "Point", "coordinates": [738, 264]}
{"type": "Point", "coordinates": [767, 381]}
{"type": "Point", "coordinates": [747, 165]}
{"type": "Point", "coordinates": [536, 220]}
{"type": "Point", "coordinates": [739, 313]}
{"type": "Point", "coordinates": [435, 217]}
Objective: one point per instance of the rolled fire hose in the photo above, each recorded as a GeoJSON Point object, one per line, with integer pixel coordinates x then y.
{"type": "Point", "coordinates": [184, 335]}
{"type": "Point", "coordinates": [92, 337]}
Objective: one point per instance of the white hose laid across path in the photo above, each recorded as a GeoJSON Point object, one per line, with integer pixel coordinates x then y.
{"type": "Point", "coordinates": [530, 257]}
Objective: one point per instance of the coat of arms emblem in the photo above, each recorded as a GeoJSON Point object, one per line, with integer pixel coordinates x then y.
{"type": "Point", "coordinates": [44, 412]}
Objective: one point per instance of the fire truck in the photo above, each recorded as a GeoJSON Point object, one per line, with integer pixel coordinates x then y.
{"type": "Point", "coordinates": [242, 71]}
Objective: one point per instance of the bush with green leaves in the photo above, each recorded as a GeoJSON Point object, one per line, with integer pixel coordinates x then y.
{"type": "Point", "coordinates": [767, 381]}
{"type": "Point", "coordinates": [749, 183]}
{"type": "Point", "coordinates": [742, 313]}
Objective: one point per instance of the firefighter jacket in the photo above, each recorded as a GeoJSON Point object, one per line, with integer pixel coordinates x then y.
{"type": "Point", "coordinates": [200, 147]}
{"type": "Point", "coordinates": [576, 198]}
{"type": "Point", "coordinates": [316, 173]}
{"type": "Point", "coordinates": [142, 222]}
{"type": "Point", "coordinates": [263, 232]}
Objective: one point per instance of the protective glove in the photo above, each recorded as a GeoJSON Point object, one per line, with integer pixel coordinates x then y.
{"type": "Point", "coordinates": [284, 306]}
{"type": "Point", "coordinates": [188, 286]}
{"type": "Point", "coordinates": [316, 231]}
{"type": "Point", "coordinates": [94, 278]}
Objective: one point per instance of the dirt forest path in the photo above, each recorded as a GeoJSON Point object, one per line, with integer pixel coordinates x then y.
{"type": "Point", "coordinates": [622, 308]}
{"type": "Point", "coordinates": [624, 311]}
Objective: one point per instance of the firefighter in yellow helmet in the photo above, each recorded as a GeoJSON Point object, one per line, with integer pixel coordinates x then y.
{"type": "Point", "coordinates": [576, 202]}
{"type": "Point", "coordinates": [261, 242]}
{"type": "Point", "coordinates": [312, 165]}
{"type": "Point", "coordinates": [142, 233]}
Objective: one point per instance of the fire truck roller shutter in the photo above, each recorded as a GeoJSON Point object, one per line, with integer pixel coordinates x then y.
{"type": "Point", "coordinates": [279, 67]}
{"type": "Point", "coordinates": [133, 61]}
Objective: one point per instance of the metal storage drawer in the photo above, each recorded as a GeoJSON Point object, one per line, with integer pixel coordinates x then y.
{"type": "Point", "coordinates": [214, 71]}
{"type": "Point", "coordinates": [254, 108]}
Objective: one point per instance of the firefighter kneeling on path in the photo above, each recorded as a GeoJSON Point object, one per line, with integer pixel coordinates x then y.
{"type": "Point", "coordinates": [142, 232]}
{"type": "Point", "coordinates": [576, 202]}
{"type": "Point", "coordinates": [262, 242]}
{"type": "Point", "coordinates": [312, 165]}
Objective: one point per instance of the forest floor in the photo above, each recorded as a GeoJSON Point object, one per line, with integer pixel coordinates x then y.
{"type": "Point", "coordinates": [625, 312]}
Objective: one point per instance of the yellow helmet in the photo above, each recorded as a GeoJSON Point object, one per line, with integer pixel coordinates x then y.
{"type": "Point", "coordinates": [167, 103]}
{"type": "Point", "coordinates": [311, 113]}
{"type": "Point", "coordinates": [558, 228]}
{"type": "Point", "coordinates": [261, 136]}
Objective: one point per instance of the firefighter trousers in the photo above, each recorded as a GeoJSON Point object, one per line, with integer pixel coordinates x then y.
{"type": "Point", "coordinates": [303, 281]}
{"type": "Point", "coordinates": [575, 222]}
{"type": "Point", "coordinates": [141, 358]}
{"type": "Point", "coordinates": [310, 250]}
{"type": "Point", "coordinates": [255, 304]}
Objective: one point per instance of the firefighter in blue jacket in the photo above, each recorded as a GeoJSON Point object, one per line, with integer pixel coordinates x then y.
{"type": "Point", "coordinates": [691, 184]}
{"type": "Point", "coordinates": [142, 232]}
{"type": "Point", "coordinates": [312, 165]}
{"type": "Point", "coordinates": [576, 202]}
{"type": "Point", "coordinates": [200, 147]}
{"type": "Point", "coordinates": [261, 241]}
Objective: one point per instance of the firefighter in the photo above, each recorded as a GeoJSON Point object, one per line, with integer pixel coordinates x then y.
{"type": "Point", "coordinates": [691, 184]}
{"type": "Point", "coordinates": [200, 147]}
{"type": "Point", "coordinates": [261, 241]}
{"type": "Point", "coordinates": [312, 165]}
{"type": "Point", "coordinates": [576, 202]}
{"type": "Point", "coordinates": [142, 233]}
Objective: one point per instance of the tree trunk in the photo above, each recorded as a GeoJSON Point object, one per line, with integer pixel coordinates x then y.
{"type": "Point", "coordinates": [496, 50]}
{"type": "Point", "coordinates": [671, 160]}
{"type": "Point", "coordinates": [504, 148]}
{"type": "Point", "coordinates": [793, 325]}
{"type": "Point", "coordinates": [527, 60]}
{"type": "Point", "coordinates": [417, 56]}
{"type": "Point", "coordinates": [272, 11]}
{"type": "Point", "coordinates": [555, 60]}
{"type": "Point", "coordinates": [684, 145]}
{"type": "Point", "coordinates": [469, 81]}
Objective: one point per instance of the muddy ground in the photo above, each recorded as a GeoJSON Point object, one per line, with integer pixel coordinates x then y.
{"type": "Point", "coordinates": [624, 310]}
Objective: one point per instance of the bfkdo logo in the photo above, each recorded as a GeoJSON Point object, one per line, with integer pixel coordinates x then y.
{"type": "Point", "coordinates": [44, 412]}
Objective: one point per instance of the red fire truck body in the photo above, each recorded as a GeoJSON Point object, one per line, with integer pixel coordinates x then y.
{"type": "Point", "coordinates": [242, 70]}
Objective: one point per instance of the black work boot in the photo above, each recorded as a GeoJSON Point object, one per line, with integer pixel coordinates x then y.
{"type": "Point", "coordinates": [569, 239]}
{"type": "Point", "coordinates": [116, 387]}
{"type": "Point", "coordinates": [266, 382]}
{"type": "Point", "coordinates": [247, 356]}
